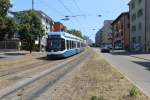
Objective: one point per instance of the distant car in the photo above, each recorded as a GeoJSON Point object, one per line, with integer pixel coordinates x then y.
{"type": "Point", "coordinates": [105, 49]}
{"type": "Point", "coordinates": [110, 46]}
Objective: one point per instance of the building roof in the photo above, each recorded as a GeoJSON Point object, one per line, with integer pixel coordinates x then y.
{"type": "Point", "coordinates": [122, 14]}
{"type": "Point", "coordinates": [39, 12]}
{"type": "Point", "coordinates": [44, 15]}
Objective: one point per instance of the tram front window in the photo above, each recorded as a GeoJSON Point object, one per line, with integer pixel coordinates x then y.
{"type": "Point", "coordinates": [55, 44]}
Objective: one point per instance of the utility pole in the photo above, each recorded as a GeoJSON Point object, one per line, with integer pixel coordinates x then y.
{"type": "Point", "coordinates": [32, 4]}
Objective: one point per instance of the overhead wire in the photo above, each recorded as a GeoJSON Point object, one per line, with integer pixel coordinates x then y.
{"type": "Point", "coordinates": [62, 3]}
{"type": "Point", "coordinates": [81, 12]}
{"type": "Point", "coordinates": [51, 8]}
{"type": "Point", "coordinates": [76, 4]}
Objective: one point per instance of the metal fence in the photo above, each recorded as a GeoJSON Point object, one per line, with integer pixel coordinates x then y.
{"type": "Point", "coordinates": [9, 45]}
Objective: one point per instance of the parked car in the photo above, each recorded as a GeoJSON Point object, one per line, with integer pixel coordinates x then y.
{"type": "Point", "coordinates": [105, 49]}
{"type": "Point", "coordinates": [110, 46]}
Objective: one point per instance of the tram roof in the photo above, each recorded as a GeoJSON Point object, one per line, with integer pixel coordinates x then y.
{"type": "Point", "coordinates": [66, 35]}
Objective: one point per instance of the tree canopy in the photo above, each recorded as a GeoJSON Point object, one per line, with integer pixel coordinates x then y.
{"type": "Point", "coordinates": [5, 5]}
{"type": "Point", "coordinates": [8, 26]}
{"type": "Point", "coordinates": [30, 27]}
{"type": "Point", "coordinates": [75, 32]}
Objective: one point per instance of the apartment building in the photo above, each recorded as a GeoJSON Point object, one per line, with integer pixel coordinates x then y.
{"type": "Point", "coordinates": [139, 25]}
{"type": "Point", "coordinates": [107, 32]}
{"type": "Point", "coordinates": [58, 27]}
{"type": "Point", "coordinates": [47, 24]}
{"type": "Point", "coordinates": [98, 38]}
{"type": "Point", "coordinates": [120, 31]}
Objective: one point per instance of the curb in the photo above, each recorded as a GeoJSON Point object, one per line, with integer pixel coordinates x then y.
{"type": "Point", "coordinates": [140, 58]}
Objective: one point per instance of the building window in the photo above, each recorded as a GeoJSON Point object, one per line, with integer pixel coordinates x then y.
{"type": "Point", "coordinates": [121, 33]}
{"type": "Point", "coordinates": [139, 39]}
{"type": "Point", "coordinates": [133, 5]}
{"type": "Point", "coordinates": [140, 13]}
{"type": "Point", "coordinates": [133, 17]}
{"type": "Point", "coordinates": [133, 28]}
{"type": "Point", "coordinates": [140, 1]}
{"type": "Point", "coordinates": [133, 40]}
{"type": "Point", "coordinates": [128, 25]}
{"type": "Point", "coordinates": [140, 26]}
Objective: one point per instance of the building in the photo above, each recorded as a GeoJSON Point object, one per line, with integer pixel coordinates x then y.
{"type": "Point", "coordinates": [121, 31]}
{"type": "Point", "coordinates": [59, 27]}
{"type": "Point", "coordinates": [47, 24]}
{"type": "Point", "coordinates": [139, 25]}
{"type": "Point", "coordinates": [107, 32]}
{"type": "Point", "coordinates": [98, 38]}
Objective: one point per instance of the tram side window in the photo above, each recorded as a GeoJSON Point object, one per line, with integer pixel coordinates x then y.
{"type": "Point", "coordinates": [72, 44]}
{"type": "Point", "coordinates": [68, 46]}
{"type": "Point", "coordinates": [78, 45]}
{"type": "Point", "coordinates": [75, 43]}
{"type": "Point", "coordinates": [62, 44]}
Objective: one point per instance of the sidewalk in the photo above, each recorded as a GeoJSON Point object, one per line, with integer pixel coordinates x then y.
{"type": "Point", "coordinates": [135, 55]}
{"type": "Point", "coordinates": [141, 56]}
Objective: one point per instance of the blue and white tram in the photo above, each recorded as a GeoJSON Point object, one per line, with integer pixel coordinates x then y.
{"type": "Point", "coordinates": [62, 45]}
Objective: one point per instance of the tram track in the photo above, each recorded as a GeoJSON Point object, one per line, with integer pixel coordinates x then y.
{"type": "Point", "coordinates": [37, 84]}
{"type": "Point", "coordinates": [4, 73]}
{"type": "Point", "coordinates": [19, 73]}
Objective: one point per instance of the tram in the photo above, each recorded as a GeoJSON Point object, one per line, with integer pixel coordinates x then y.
{"type": "Point", "coordinates": [62, 45]}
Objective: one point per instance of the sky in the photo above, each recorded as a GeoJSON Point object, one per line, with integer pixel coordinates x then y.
{"type": "Point", "coordinates": [88, 24]}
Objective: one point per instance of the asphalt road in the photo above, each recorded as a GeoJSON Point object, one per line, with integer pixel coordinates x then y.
{"type": "Point", "coordinates": [136, 70]}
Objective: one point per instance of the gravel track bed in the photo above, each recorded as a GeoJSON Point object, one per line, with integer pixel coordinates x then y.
{"type": "Point", "coordinates": [97, 80]}
{"type": "Point", "coordinates": [35, 89]}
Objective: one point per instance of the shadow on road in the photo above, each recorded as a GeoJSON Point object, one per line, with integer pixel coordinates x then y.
{"type": "Point", "coordinates": [50, 59]}
{"type": "Point", "coordinates": [144, 64]}
{"type": "Point", "coordinates": [15, 54]}
{"type": "Point", "coordinates": [2, 57]}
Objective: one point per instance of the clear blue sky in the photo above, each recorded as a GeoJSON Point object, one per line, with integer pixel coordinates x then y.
{"type": "Point", "coordinates": [109, 9]}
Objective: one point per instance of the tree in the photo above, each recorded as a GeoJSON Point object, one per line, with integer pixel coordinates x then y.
{"type": "Point", "coordinates": [86, 37]}
{"type": "Point", "coordinates": [2, 27]}
{"type": "Point", "coordinates": [11, 27]}
{"type": "Point", "coordinates": [5, 5]}
{"type": "Point", "coordinates": [75, 32]}
{"type": "Point", "coordinates": [30, 27]}
{"type": "Point", "coordinates": [8, 26]}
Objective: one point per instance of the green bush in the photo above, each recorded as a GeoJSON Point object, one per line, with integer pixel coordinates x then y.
{"type": "Point", "coordinates": [93, 98]}
{"type": "Point", "coordinates": [134, 92]}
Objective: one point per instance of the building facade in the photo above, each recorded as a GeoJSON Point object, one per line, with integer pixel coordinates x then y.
{"type": "Point", "coordinates": [121, 32]}
{"type": "Point", "coordinates": [58, 27]}
{"type": "Point", "coordinates": [139, 25]}
{"type": "Point", "coordinates": [107, 32]}
{"type": "Point", "coordinates": [47, 24]}
{"type": "Point", "coordinates": [98, 38]}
